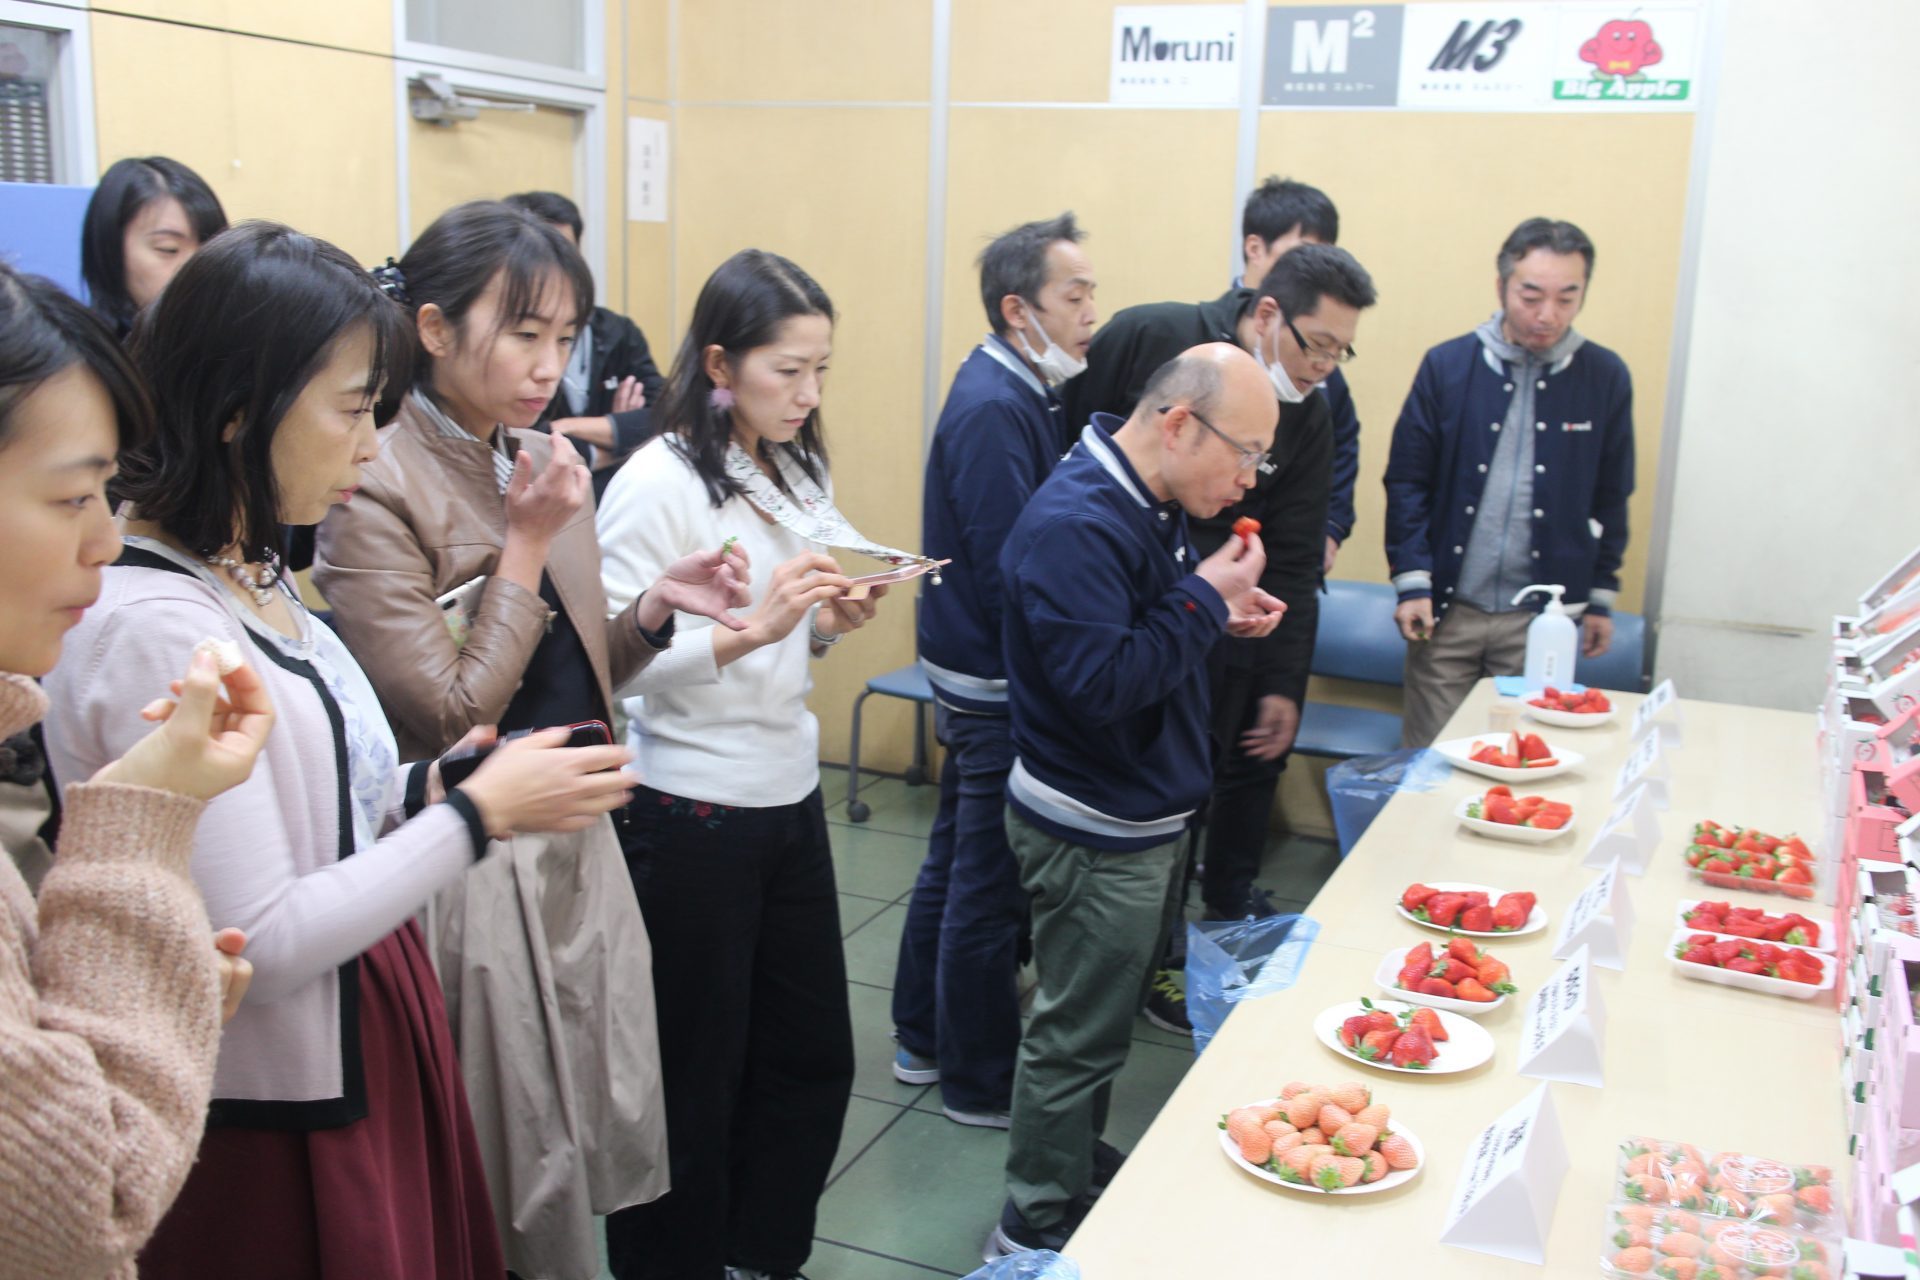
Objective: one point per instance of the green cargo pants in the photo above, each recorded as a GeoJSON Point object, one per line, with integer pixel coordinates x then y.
{"type": "Point", "coordinates": [1098, 921]}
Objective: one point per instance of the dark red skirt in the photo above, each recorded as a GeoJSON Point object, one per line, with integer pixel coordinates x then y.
{"type": "Point", "coordinates": [399, 1194]}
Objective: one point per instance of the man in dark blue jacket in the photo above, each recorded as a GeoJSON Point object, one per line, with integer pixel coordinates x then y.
{"type": "Point", "coordinates": [1108, 623]}
{"type": "Point", "coordinates": [1279, 214]}
{"type": "Point", "coordinates": [1512, 462]}
{"type": "Point", "coordinates": [956, 1001]}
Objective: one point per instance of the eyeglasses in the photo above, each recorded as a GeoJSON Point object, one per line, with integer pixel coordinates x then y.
{"type": "Point", "coordinates": [1250, 459]}
{"type": "Point", "coordinates": [1312, 352]}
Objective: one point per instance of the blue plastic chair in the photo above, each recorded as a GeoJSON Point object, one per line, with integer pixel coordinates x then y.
{"type": "Point", "coordinates": [909, 683]}
{"type": "Point", "coordinates": [1356, 639]}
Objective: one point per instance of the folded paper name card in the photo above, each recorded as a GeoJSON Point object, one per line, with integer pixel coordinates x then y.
{"type": "Point", "coordinates": [1509, 1183]}
{"type": "Point", "coordinates": [1644, 767]}
{"type": "Point", "coordinates": [1661, 707]}
{"type": "Point", "coordinates": [1600, 919]}
{"type": "Point", "coordinates": [1562, 1039]}
{"type": "Point", "coordinates": [1629, 836]}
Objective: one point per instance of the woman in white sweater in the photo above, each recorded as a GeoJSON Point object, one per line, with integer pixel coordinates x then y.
{"type": "Point", "coordinates": [727, 841]}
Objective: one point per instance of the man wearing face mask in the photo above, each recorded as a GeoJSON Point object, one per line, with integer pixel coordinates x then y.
{"type": "Point", "coordinates": [1300, 326]}
{"type": "Point", "coordinates": [1512, 462]}
{"type": "Point", "coordinates": [956, 1002]}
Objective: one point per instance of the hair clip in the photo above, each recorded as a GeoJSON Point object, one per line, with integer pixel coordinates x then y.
{"type": "Point", "coordinates": [720, 398]}
{"type": "Point", "coordinates": [392, 282]}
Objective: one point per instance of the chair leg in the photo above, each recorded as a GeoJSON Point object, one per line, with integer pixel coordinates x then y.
{"type": "Point", "coordinates": [856, 810]}
{"type": "Point", "coordinates": [917, 771]}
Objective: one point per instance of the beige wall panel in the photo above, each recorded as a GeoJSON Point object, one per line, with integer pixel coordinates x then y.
{"type": "Point", "coordinates": [649, 58]}
{"type": "Point", "coordinates": [821, 50]}
{"type": "Point", "coordinates": [842, 193]}
{"type": "Point", "coordinates": [496, 155]}
{"type": "Point", "coordinates": [1153, 225]}
{"type": "Point", "coordinates": [364, 25]}
{"type": "Point", "coordinates": [289, 132]}
{"type": "Point", "coordinates": [1425, 200]}
{"type": "Point", "coordinates": [1032, 50]}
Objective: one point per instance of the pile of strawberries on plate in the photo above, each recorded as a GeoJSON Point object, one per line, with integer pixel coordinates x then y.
{"type": "Point", "coordinates": [1502, 806]}
{"type": "Point", "coordinates": [1461, 972]}
{"type": "Point", "coordinates": [1474, 911]}
{"type": "Point", "coordinates": [1585, 703]}
{"type": "Point", "coordinates": [1523, 751]}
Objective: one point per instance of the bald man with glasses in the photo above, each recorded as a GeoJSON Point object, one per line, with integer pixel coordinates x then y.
{"type": "Point", "coordinates": [1300, 325]}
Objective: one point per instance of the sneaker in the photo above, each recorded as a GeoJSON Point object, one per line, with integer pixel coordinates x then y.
{"type": "Point", "coordinates": [1013, 1234]}
{"type": "Point", "coordinates": [911, 1068]}
{"type": "Point", "coordinates": [1253, 903]}
{"type": "Point", "coordinates": [1107, 1160]}
{"type": "Point", "coordinates": [979, 1119]}
{"type": "Point", "coordinates": [753, 1273]}
{"type": "Point", "coordinates": [1167, 1002]}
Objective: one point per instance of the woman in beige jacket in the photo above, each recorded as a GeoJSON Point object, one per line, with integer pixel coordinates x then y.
{"type": "Point", "coordinates": [465, 578]}
{"type": "Point", "coordinates": [110, 995]}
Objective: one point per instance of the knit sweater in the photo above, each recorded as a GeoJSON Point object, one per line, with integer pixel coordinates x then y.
{"type": "Point", "coordinates": [109, 1021]}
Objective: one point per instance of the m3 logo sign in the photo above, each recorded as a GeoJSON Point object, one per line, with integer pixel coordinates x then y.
{"type": "Point", "coordinates": [1477, 48]}
{"type": "Point", "coordinates": [1474, 57]}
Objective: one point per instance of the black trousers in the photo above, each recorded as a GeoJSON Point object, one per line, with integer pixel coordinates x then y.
{"type": "Point", "coordinates": [1243, 788]}
{"type": "Point", "coordinates": [756, 1041]}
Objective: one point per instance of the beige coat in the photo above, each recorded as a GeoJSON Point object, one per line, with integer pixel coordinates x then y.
{"type": "Point", "coordinates": [541, 949]}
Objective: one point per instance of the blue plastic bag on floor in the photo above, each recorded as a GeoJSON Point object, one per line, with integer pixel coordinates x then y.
{"type": "Point", "coordinates": [1233, 960]}
{"type": "Point", "coordinates": [1041, 1264]}
{"type": "Point", "coordinates": [1358, 789]}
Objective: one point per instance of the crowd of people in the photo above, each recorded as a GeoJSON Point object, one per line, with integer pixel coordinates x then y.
{"type": "Point", "coordinates": [350, 943]}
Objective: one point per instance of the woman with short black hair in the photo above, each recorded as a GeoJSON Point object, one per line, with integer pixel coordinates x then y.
{"type": "Point", "coordinates": [146, 218]}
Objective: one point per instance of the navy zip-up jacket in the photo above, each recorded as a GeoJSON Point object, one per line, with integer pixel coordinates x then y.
{"type": "Point", "coordinates": [998, 437]}
{"type": "Point", "coordinates": [1107, 635]}
{"type": "Point", "coordinates": [1583, 470]}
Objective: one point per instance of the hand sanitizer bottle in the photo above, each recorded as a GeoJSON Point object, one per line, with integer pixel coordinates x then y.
{"type": "Point", "coordinates": [1552, 641]}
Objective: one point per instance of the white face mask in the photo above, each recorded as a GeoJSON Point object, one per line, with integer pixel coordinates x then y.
{"type": "Point", "coordinates": [1277, 373]}
{"type": "Point", "coordinates": [1056, 365]}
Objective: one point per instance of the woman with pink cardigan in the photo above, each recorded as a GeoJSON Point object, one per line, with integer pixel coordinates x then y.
{"type": "Point", "coordinates": [111, 988]}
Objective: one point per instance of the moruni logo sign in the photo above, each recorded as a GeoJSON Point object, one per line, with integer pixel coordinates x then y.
{"type": "Point", "coordinates": [1177, 54]}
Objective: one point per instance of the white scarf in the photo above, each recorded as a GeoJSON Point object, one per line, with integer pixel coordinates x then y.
{"type": "Point", "coordinates": [803, 508]}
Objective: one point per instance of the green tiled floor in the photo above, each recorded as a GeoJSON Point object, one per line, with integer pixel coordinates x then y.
{"type": "Point", "coordinates": [913, 1194]}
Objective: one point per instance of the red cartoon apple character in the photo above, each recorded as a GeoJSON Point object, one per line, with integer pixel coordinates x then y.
{"type": "Point", "coordinates": [1623, 48]}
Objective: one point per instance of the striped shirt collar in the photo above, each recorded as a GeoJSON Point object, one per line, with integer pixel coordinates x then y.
{"type": "Point", "coordinates": [1097, 440]}
{"type": "Point", "coordinates": [1000, 352]}
{"type": "Point", "coordinates": [446, 426]}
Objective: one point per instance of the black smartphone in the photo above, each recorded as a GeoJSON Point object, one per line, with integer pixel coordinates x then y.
{"type": "Point", "coordinates": [458, 764]}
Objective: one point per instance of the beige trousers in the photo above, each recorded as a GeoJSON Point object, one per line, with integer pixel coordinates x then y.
{"type": "Point", "coordinates": [1467, 645]}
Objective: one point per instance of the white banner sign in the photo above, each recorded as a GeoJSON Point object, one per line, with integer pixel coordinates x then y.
{"type": "Point", "coordinates": [1509, 1183]}
{"type": "Point", "coordinates": [1630, 836]}
{"type": "Point", "coordinates": [1562, 1039]}
{"type": "Point", "coordinates": [1177, 55]}
{"type": "Point", "coordinates": [1600, 919]}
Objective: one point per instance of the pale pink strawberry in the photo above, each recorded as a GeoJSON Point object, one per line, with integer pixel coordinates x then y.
{"type": "Point", "coordinates": [1355, 1139]}
{"type": "Point", "coordinates": [1337, 1172]}
{"type": "Point", "coordinates": [1293, 1087]}
{"type": "Point", "coordinates": [1399, 1152]}
{"type": "Point", "coordinates": [1312, 1136]}
{"type": "Point", "coordinates": [1376, 1167]}
{"type": "Point", "coordinates": [1375, 1115]}
{"type": "Point", "coordinates": [1333, 1118]}
{"type": "Point", "coordinates": [1302, 1109]}
{"type": "Point", "coordinates": [1278, 1129]}
{"type": "Point", "coordinates": [1244, 1127]}
{"type": "Point", "coordinates": [1286, 1142]}
{"type": "Point", "coordinates": [1295, 1164]}
{"type": "Point", "coordinates": [1352, 1096]}
{"type": "Point", "coordinates": [1324, 1173]}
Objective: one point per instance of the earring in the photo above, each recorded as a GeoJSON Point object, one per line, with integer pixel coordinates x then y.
{"type": "Point", "coordinates": [720, 398]}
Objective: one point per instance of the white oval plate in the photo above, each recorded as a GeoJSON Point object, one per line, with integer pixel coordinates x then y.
{"type": "Point", "coordinates": [1825, 946]}
{"type": "Point", "coordinates": [1535, 922]}
{"type": "Point", "coordinates": [1389, 969]}
{"type": "Point", "coordinates": [1508, 831]}
{"type": "Point", "coordinates": [1394, 1178]}
{"type": "Point", "coordinates": [1568, 719]}
{"type": "Point", "coordinates": [1459, 750]}
{"type": "Point", "coordinates": [1748, 981]}
{"type": "Point", "coordinates": [1468, 1044]}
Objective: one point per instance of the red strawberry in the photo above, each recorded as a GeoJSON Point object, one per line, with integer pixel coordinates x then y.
{"type": "Point", "coordinates": [1377, 1045]}
{"type": "Point", "coordinates": [1533, 747]}
{"type": "Point", "coordinates": [1452, 970]}
{"type": "Point", "coordinates": [1444, 908]}
{"type": "Point", "coordinates": [1475, 990]}
{"type": "Point", "coordinates": [1500, 809]}
{"type": "Point", "coordinates": [1435, 987]}
{"type": "Point", "coordinates": [1475, 898]}
{"type": "Point", "coordinates": [1477, 919]}
{"type": "Point", "coordinates": [1245, 527]}
{"type": "Point", "coordinates": [1495, 974]}
{"type": "Point", "coordinates": [1507, 917]}
{"type": "Point", "coordinates": [1428, 1020]}
{"type": "Point", "coordinates": [1524, 900]}
{"type": "Point", "coordinates": [1353, 1029]}
{"type": "Point", "coordinates": [1413, 1049]}
{"type": "Point", "coordinates": [1415, 895]}
{"type": "Point", "coordinates": [1500, 789]}
{"type": "Point", "coordinates": [1463, 949]}
{"type": "Point", "coordinates": [1547, 820]}
{"type": "Point", "coordinates": [1818, 1199]}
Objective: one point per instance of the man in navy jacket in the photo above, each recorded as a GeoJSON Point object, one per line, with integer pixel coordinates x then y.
{"type": "Point", "coordinates": [1108, 624]}
{"type": "Point", "coordinates": [1511, 464]}
{"type": "Point", "coordinates": [956, 1001]}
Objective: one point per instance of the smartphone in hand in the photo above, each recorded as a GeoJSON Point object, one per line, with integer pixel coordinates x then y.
{"type": "Point", "coordinates": [458, 764]}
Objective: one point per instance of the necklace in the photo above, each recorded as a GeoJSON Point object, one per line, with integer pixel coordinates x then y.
{"type": "Point", "coordinates": [259, 586]}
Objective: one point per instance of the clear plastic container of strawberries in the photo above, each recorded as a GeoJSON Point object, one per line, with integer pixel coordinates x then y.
{"type": "Point", "coordinates": [1749, 858]}
{"type": "Point", "coordinates": [1790, 928]}
{"type": "Point", "coordinates": [1682, 1215]}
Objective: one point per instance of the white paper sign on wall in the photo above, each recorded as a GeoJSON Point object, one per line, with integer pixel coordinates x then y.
{"type": "Point", "coordinates": [646, 169]}
{"type": "Point", "coordinates": [1563, 1038]}
{"type": "Point", "coordinates": [1177, 54]}
{"type": "Point", "coordinates": [1510, 1182]}
{"type": "Point", "coordinates": [1629, 836]}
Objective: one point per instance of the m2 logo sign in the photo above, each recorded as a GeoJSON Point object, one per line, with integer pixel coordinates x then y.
{"type": "Point", "coordinates": [1332, 56]}
{"type": "Point", "coordinates": [1474, 57]}
{"type": "Point", "coordinates": [1177, 55]}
